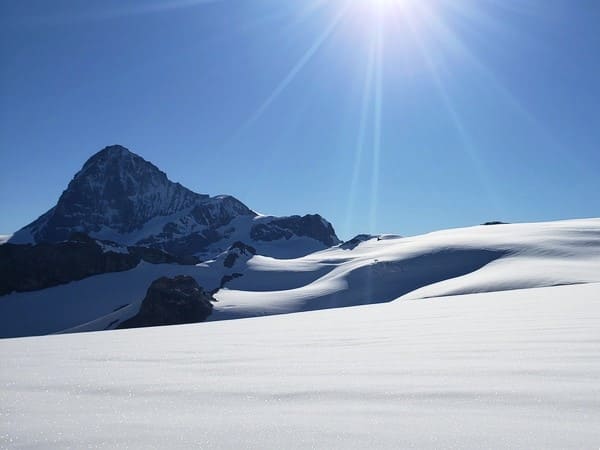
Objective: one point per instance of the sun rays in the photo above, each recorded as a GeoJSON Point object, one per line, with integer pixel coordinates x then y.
{"type": "Point", "coordinates": [377, 112]}
{"type": "Point", "coordinates": [296, 68]}
{"type": "Point", "coordinates": [411, 37]}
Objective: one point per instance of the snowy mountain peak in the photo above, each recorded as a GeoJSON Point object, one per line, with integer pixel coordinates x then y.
{"type": "Point", "coordinates": [119, 196]}
{"type": "Point", "coordinates": [115, 192]}
{"type": "Point", "coordinates": [113, 151]}
{"type": "Point", "coordinates": [117, 165]}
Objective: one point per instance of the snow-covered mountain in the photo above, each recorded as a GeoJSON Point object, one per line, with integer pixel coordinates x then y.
{"type": "Point", "coordinates": [121, 224]}
{"type": "Point", "coordinates": [369, 269]}
{"type": "Point", "coordinates": [120, 197]}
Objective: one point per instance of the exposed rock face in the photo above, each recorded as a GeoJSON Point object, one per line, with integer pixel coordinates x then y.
{"type": "Point", "coordinates": [226, 279]}
{"type": "Point", "coordinates": [355, 241]}
{"type": "Point", "coordinates": [311, 225]}
{"type": "Point", "coordinates": [494, 222]}
{"type": "Point", "coordinates": [172, 301]}
{"type": "Point", "coordinates": [242, 248]}
{"type": "Point", "coordinates": [121, 197]}
{"type": "Point", "coordinates": [33, 267]}
{"type": "Point", "coordinates": [115, 189]}
{"type": "Point", "coordinates": [236, 250]}
{"type": "Point", "coordinates": [117, 195]}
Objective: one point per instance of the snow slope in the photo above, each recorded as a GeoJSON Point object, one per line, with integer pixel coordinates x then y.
{"type": "Point", "coordinates": [378, 269]}
{"type": "Point", "coordinates": [512, 369]}
{"type": "Point", "coordinates": [466, 260]}
{"type": "Point", "coordinates": [69, 305]}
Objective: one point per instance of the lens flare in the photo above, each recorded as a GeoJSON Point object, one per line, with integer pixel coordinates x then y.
{"type": "Point", "coordinates": [387, 5]}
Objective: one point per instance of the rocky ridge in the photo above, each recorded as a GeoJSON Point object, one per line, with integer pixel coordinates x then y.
{"type": "Point", "coordinates": [121, 197]}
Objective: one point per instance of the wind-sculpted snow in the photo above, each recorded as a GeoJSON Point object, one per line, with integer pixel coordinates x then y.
{"type": "Point", "coordinates": [512, 369]}
{"type": "Point", "coordinates": [357, 283]}
{"type": "Point", "coordinates": [373, 270]}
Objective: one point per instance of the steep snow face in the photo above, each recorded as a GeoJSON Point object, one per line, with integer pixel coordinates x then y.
{"type": "Point", "coordinates": [121, 197]}
{"type": "Point", "coordinates": [514, 369]}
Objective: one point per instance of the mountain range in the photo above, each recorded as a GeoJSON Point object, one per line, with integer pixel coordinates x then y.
{"type": "Point", "coordinates": [126, 247]}
{"type": "Point", "coordinates": [120, 197]}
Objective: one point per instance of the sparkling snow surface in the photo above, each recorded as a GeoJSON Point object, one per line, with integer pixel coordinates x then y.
{"type": "Point", "coordinates": [512, 369]}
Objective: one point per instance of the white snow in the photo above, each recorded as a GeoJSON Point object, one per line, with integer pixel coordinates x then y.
{"type": "Point", "coordinates": [70, 305]}
{"type": "Point", "coordinates": [4, 238]}
{"type": "Point", "coordinates": [380, 269]}
{"type": "Point", "coordinates": [466, 260]}
{"type": "Point", "coordinates": [512, 369]}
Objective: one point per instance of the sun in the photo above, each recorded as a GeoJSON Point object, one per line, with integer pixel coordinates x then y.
{"type": "Point", "coordinates": [384, 5]}
{"type": "Point", "coordinates": [383, 8]}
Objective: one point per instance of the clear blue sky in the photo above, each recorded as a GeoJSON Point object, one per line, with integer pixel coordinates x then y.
{"type": "Point", "coordinates": [384, 116]}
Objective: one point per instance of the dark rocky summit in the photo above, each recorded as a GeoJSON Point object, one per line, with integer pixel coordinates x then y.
{"type": "Point", "coordinates": [311, 225]}
{"type": "Point", "coordinates": [121, 197]}
{"type": "Point", "coordinates": [115, 196]}
{"type": "Point", "coordinates": [172, 301]}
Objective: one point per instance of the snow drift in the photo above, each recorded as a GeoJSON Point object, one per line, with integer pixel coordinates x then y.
{"type": "Point", "coordinates": [372, 270]}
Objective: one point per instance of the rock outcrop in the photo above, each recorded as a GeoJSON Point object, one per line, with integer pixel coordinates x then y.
{"type": "Point", "coordinates": [351, 244]}
{"type": "Point", "coordinates": [237, 250]}
{"type": "Point", "coordinates": [172, 301]}
{"type": "Point", "coordinates": [311, 225]}
{"type": "Point", "coordinates": [494, 222]}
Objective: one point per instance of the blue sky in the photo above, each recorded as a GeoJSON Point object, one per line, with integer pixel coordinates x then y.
{"type": "Point", "coordinates": [383, 116]}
